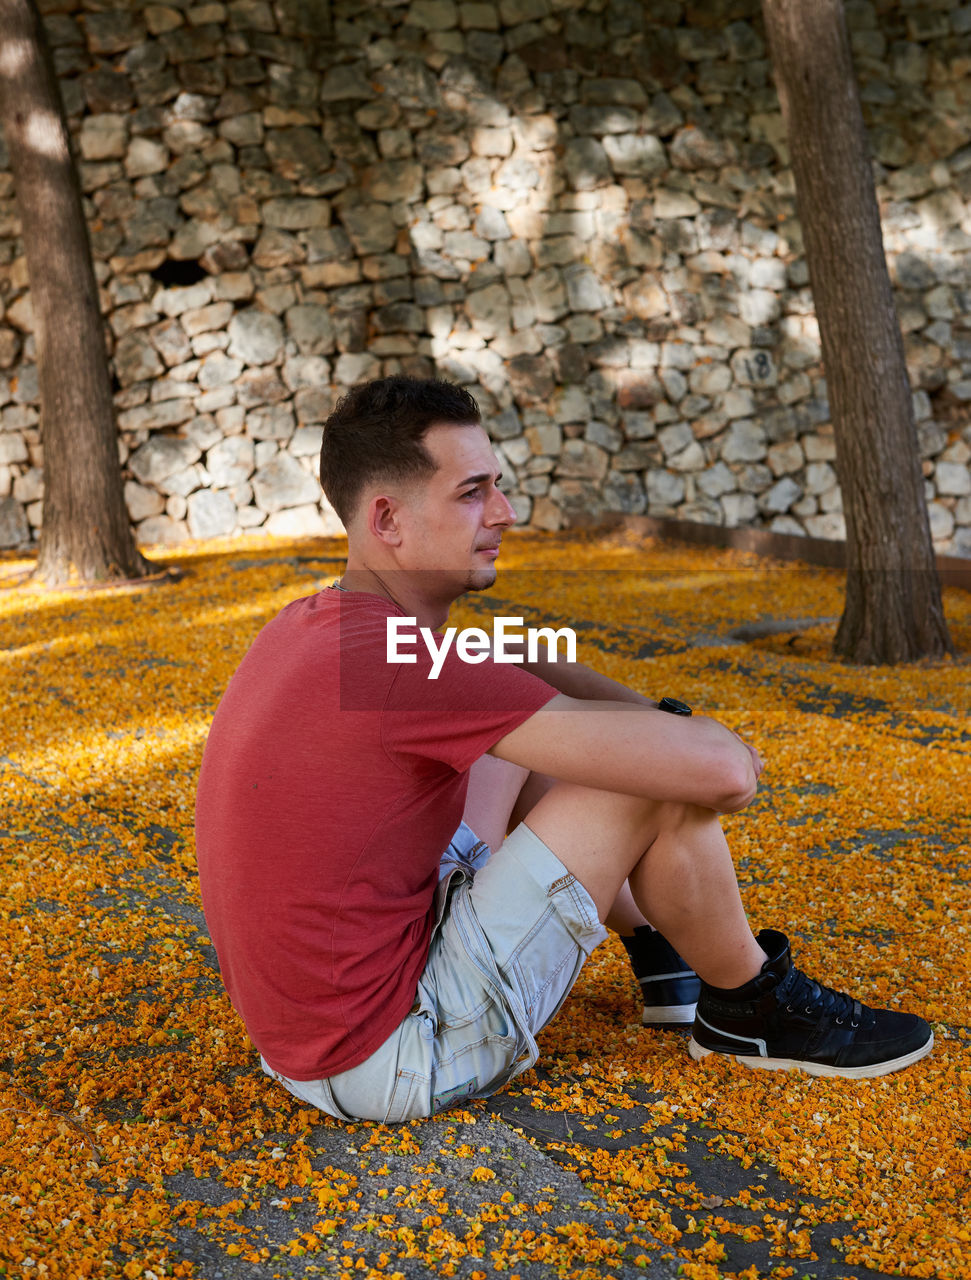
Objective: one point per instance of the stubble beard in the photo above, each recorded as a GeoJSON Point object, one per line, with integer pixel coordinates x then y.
{"type": "Point", "coordinates": [479, 580]}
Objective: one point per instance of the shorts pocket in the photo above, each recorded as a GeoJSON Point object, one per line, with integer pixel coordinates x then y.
{"type": "Point", "coordinates": [544, 981]}
{"type": "Point", "coordinates": [410, 1097]}
{"type": "Point", "coordinates": [452, 995]}
{"type": "Point", "coordinates": [476, 1064]}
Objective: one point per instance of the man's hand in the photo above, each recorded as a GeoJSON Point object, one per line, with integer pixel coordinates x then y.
{"type": "Point", "coordinates": [757, 763]}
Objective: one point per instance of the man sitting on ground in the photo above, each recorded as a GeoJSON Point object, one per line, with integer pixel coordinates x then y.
{"type": "Point", "coordinates": [390, 948]}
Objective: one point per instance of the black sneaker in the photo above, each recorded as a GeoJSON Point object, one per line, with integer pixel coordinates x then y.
{"type": "Point", "coordinates": [783, 1021]}
{"type": "Point", "coordinates": [669, 988]}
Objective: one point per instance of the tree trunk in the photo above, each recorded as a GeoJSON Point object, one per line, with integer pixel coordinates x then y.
{"type": "Point", "coordinates": [893, 610]}
{"type": "Point", "coordinates": [86, 531]}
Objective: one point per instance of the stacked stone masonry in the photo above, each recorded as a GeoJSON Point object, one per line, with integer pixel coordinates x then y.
{"type": "Point", "coordinates": [582, 209]}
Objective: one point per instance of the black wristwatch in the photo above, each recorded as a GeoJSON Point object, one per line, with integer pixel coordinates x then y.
{"type": "Point", "coordinates": [676, 707]}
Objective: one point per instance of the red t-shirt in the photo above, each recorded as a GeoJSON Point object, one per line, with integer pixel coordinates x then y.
{"type": "Point", "coordinates": [331, 784]}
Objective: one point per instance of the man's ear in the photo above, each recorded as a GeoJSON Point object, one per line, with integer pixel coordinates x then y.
{"type": "Point", "coordinates": [383, 520]}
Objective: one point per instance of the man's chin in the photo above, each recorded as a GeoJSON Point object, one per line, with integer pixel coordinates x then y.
{"type": "Point", "coordinates": [480, 579]}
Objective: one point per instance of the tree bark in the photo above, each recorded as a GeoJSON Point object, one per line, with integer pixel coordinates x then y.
{"type": "Point", "coordinates": [86, 532]}
{"type": "Point", "coordinates": [893, 610]}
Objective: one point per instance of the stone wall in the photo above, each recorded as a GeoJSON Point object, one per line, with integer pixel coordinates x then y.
{"type": "Point", "coordinates": [580, 208]}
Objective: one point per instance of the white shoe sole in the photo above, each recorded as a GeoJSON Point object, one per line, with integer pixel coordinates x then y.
{"type": "Point", "coordinates": [698, 1052]}
{"type": "Point", "coordinates": [665, 1015]}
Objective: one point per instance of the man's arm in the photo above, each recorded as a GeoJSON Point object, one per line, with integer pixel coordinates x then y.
{"type": "Point", "coordinates": [577, 680]}
{"type": "Point", "coordinates": [636, 750]}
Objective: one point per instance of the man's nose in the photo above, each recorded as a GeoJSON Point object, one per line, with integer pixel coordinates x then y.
{"type": "Point", "coordinates": [501, 511]}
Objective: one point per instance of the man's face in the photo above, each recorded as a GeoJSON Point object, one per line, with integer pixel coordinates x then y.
{"type": "Point", "coordinates": [454, 521]}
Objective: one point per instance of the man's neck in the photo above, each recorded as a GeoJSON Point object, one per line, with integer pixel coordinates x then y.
{"type": "Point", "coordinates": [400, 588]}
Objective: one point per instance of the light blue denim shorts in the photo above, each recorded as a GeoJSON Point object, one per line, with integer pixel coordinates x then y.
{"type": "Point", "coordinates": [511, 936]}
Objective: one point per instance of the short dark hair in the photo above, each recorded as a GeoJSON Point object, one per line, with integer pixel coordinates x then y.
{"type": "Point", "coordinates": [376, 431]}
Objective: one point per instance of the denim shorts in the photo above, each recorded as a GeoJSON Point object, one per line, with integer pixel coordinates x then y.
{"type": "Point", "coordinates": [511, 935]}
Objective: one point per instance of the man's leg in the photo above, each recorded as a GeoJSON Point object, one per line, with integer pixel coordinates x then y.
{"type": "Point", "coordinates": [754, 1005]}
{"type": "Point", "coordinates": [500, 795]}
{"type": "Point", "coordinates": [678, 865]}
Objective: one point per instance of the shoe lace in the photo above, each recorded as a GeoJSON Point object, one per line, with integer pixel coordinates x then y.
{"type": "Point", "coordinates": [805, 995]}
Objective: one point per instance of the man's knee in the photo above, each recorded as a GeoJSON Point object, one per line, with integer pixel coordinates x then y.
{"type": "Point", "coordinates": [674, 814]}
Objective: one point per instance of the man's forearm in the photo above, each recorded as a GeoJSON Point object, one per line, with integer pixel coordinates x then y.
{"type": "Point", "coordinates": [577, 680]}
{"type": "Point", "coordinates": [636, 751]}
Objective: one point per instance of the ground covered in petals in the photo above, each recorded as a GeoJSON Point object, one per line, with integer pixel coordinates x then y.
{"type": "Point", "coordinates": [138, 1137]}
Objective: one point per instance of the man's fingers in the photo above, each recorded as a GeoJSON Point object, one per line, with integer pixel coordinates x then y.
{"type": "Point", "coordinates": [757, 763]}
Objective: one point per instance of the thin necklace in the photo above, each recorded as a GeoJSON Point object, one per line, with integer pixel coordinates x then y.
{"type": "Point", "coordinates": [336, 584]}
